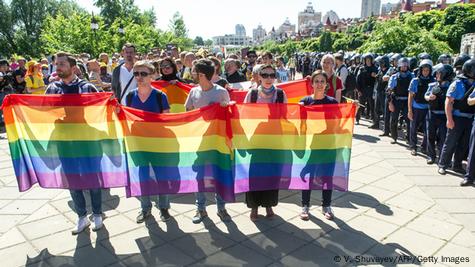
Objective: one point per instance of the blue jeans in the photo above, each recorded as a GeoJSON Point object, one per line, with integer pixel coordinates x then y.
{"type": "Point", "coordinates": [80, 202]}
{"type": "Point", "coordinates": [201, 201]}
{"type": "Point", "coordinates": [146, 202]}
{"type": "Point", "coordinates": [456, 143]}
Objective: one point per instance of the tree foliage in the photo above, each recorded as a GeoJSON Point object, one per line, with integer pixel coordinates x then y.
{"type": "Point", "coordinates": [177, 26]}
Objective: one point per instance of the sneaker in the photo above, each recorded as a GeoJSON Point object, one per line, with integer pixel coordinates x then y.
{"type": "Point", "coordinates": [394, 141]}
{"type": "Point", "coordinates": [164, 215]}
{"type": "Point", "coordinates": [305, 215]}
{"type": "Point", "coordinates": [466, 182]}
{"type": "Point", "coordinates": [430, 161]}
{"type": "Point", "coordinates": [442, 171]}
{"type": "Point", "coordinates": [223, 214]}
{"type": "Point", "coordinates": [254, 215]}
{"type": "Point", "coordinates": [97, 221]}
{"type": "Point", "coordinates": [269, 212]}
{"type": "Point", "coordinates": [83, 223]}
{"type": "Point", "coordinates": [374, 126]}
{"type": "Point", "coordinates": [328, 212]}
{"type": "Point", "coordinates": [414, 152]}
{"type": "Point", "coordinates": [143, 215]}
{"type": "Point", "coordinates": [199, 216]}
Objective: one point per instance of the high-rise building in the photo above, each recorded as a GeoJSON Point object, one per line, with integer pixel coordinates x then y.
{"type": "Point", "coordinates": [387, 8]}
{"type": "Point", "coordinates": [308, 17]}
{"type": "Point", "coordinates": [240, 30]}
{"type": "Point", "coordinates": [370, 8]}
{"type": "Point", "coordinates": [287, 28]}
{"type": "Point", "coordinates": [258, 34]}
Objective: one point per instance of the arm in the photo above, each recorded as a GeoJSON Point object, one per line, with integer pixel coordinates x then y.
{"type": "Point", "coordinates": [471, 101]}
{"type": "Point", "coordinates": [449, 105]}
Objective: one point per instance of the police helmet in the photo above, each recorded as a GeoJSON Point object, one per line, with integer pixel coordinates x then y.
{"type": "Point", "coordinates": [460, 60]}
{"type": "Point", "coordinates": [468, 69]}
{"type": "Point", "coordinates": [446, 72]}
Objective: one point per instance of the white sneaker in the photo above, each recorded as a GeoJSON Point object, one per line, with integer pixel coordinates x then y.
{"type": "Point", "coordinates": [83, 223]}
{"type": "Point", "coordinates": [97, 220]}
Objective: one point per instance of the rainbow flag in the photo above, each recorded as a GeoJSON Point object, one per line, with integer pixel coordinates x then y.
{"type": "Point", "coordinates": [178, 153]}
{"type": "Point", "coordinates": [295, 90]}
{"type": "Point", "coordinates": [176, 93]}
{"type": "Point", "coordinates": [65, 141]}
{"type": "Point", "coordinates": [291, 147]}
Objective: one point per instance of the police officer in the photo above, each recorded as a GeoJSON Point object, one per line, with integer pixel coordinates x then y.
{"type": "Point", "coordinates": [444, 59]}
{"type": "Point", "coordinates": [380, 87]}
{"type": "Point", "coordinates": [417, 104]}
{"type": "Point", "coordinates": [459, 121]}
{"type": "Point", "coordinates": [436, 119]}
{"type": "Point", "coordinates": [468, 70]}
{"type": "Point", "coordinates": [459, 61]}
{"type": "Point", "coordinates": [399, 88]}
{"type": "Point", "coordinates": [365, 85]}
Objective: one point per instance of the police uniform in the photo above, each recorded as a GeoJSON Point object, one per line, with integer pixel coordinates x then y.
{"type": "Point", "coordinates": [436, 120]}
{"type": "Point", "coordinates": [420, 107]}
{"type": "Point", "coordinates": [399, 84]}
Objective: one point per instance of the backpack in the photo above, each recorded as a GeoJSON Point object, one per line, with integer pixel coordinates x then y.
{"type": "Point", "coordinates": [128, 100]}
{"type": "Point", "coordinates": [279, 99]}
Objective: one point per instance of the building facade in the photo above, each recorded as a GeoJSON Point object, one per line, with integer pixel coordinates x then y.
{"type": "Point", "coordinates": [370, 8]}
{"type": "Point", "coordinates": [308, 17]}
{"type": "Point", "coordinates": [467, 45]}
{"type": "Point", "coordinates": [232, 39]}
{"type": "Point", "coordinates": [258, 34]}
{"type": "Point", "coordinates": [240, 30]}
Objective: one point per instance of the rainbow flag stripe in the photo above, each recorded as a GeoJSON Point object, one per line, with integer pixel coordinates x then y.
{"type": "Point", "coordinates": [291, 146]}
{"type": "Point", "coordinates": [176, 93]}
{"type": "Point", "coordinates": [178, 153]}
{"type": "Point", "coordinates": [65, 141]}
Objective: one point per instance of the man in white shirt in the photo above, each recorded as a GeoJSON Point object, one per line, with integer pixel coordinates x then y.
{"type": "Point", "coordinates": [122, 77]}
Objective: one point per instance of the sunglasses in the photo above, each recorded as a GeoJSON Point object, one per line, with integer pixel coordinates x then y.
{"type": "Point", "coordinates": [165, 66]}
{"type": "Point", "coordinates": [141, 73]}
{"type": "Point", "coordinates": [268, 75]}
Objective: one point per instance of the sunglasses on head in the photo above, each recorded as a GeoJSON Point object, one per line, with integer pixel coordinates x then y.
{"type": "Point", "coordinates": [141, 73]}
{"type": "Point", "coordinates": [268, 75]}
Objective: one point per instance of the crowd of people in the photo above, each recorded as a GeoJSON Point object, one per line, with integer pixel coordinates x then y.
{"type": "Point", "coordinates": [398, 92]}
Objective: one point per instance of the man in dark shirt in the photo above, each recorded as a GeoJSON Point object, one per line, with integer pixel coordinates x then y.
{"type": "Point", "coordinates": [69, 83]}
{"type": "Point", "coordinates": [232, 72]}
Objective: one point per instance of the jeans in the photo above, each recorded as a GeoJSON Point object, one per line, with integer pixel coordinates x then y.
{"type": "Point", "coordinates": [326, 198]}
{"type": "Point", "coordinates": [201, 201]}
{"type": "Point", "coordinates": [418, 119]}
{"type": "Point", "coordinates": [146, 202]}
{"type": "Point", "coordinates": [80, 202]}
{"type": "Point", "coordinates": [456, 143]}
{"type": "Point", "coordinates": [436, 131]}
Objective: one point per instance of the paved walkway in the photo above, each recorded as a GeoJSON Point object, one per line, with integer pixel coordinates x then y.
{"type": "Point", "coordinates": [399, 209]}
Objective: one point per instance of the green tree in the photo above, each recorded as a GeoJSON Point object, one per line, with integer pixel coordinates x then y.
{"type": "Point", "coordinates": [7, 31]}
{"type": "Point", "coordinates": [326, 41]}
{"type": "Point", "coordinates": [113, 9]}
{"type": "Point", "coordinates": [208, 42]}
{"type": "Point", "coordinates": [199, 41]}
{"type": "Point", "coordinates": [457, 21]}
{"type": "Point", "coordinates": [177, 26]}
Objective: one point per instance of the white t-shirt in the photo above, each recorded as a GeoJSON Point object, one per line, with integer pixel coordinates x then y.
{"type": "Point", "coordinates": [125, 76]}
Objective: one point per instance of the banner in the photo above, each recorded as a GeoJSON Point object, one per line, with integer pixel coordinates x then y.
{"type": "Point", "coordinates": [78, 142]}
{"type": "Point", "coordinates": [65, 141]}
{"type": "Point", "coordinates": [176, 94]}
{"type": "Point", "coordinates": [178, 153]}
{"type": "Point", "coordinates": [291, 147]}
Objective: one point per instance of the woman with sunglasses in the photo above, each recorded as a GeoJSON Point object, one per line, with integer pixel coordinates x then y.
{"type": "Point", "coordinates": [147, 98]}
{"type": "Point", "coordinates": [265, 93]}
{"type": "Point", "coordinates": [319, 81]}
{"type": "Point", "coordinates": [168, 71]}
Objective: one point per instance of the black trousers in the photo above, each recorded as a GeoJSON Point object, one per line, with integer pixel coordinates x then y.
{"type": "Point", "coordinates": [326, 198]}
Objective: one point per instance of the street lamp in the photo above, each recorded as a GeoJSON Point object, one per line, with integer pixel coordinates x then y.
{"type": "Point", "coordinates": [94, 24]}
{"type": "Point", "coordinates": [121, 29]}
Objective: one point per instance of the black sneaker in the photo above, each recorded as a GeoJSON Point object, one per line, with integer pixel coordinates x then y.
{"type": "Point", "coordinates": [164, 215]}
{"type": "Point", "coordinates": [466, 182]}
{"type": "Point", "coordinates": [459, 170]}
{"type": "Point", "coordinates": [199, 216]}
{"type": "Point", "coordinates": [394, 141]}
{"type": "Point", "coordinates": [374, 126]}
{"type": "Point", "coordinates": [430, 161]}
{"type": "Point", "coordinates": [143, 215]}
{"type": "Point", "coordinates": [384, 134]}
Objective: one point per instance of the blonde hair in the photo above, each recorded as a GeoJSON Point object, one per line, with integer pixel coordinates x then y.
{"type": "Point", "coordinates": [328, 56]}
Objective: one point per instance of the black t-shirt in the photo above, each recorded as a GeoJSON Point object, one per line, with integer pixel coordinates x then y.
{"type": "Point", "coordinates": [222, 82]}
{"type": "Point", "coordinates": [19, 72]}
{"type": "Point", "coordinates": [236, 77]}
{"type": "Point", "coordinates": [309, 100]}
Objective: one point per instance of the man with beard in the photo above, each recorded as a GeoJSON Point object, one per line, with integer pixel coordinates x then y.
{"type": "Point", "coordinates": [122, 77]}
{"type": "Point", "coordinates": [69, 83]}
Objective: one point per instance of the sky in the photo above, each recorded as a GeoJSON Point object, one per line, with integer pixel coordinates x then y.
{"type": "Point", "coordinates": [208, 18]}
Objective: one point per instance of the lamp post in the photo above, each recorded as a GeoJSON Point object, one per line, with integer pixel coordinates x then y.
{"type": "Point", "coordinates": [94, 28]}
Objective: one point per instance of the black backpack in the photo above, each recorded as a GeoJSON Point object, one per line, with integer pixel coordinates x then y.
{"type": "Point", "coordinates": [128, 100]}
{"type": "Point", "coordinates": [280, 96]}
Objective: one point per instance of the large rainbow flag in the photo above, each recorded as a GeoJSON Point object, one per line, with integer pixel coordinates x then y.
{"type": "Point", "coordinates": [178, 153]}
{"type": "Point", "coordinates": [291, 146]}
{"type": "Point", "coordinates": [176, 93]}
{"type": "Point", "coordinates": [65, 141]}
